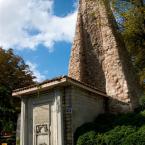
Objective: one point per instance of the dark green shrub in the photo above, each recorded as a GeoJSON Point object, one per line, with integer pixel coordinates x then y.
{"type": "Point", "coordinates": [142, 101]}
{"type": "Point", "coordinates": [87, 139]}
{"type": "Point", "coordinates": [118, 135]}
{"type": "Point", "coordinates": [84, 129]}
{"type": "Point", "coordinates": [100, 139]}
{"type": "Point", "coordinates": [137, 138]}
{"type": "Point", "coordinates": [110, 129]}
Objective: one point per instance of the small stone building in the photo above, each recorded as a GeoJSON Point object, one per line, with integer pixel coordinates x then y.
{"type": "Point", "coordinates": [52, 111]}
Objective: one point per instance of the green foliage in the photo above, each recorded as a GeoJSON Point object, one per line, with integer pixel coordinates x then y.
{"type": "Point", "coordinates": [130, 16]}
{"type": "Point", "coordinates": [111, 129]}
{"type": "Point", "coordinates": [84, 129]}
{"type": "Point", "coordinates": [87, 139]}
{"type": "Point", "coordinates": [136, 138]}
{"type": "Point", "coordinates": [14, 73]}
{"type": "Point", "coordinates": [142, 101]}
{"type": "Point", "coordinates": [8, 125]}
{"type": "Point", "coordinates": [118, 135]}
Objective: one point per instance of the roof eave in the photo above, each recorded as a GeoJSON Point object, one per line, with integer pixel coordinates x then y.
{"type": "Point", "coordinates": [64, 81]}
{"type": "Point", "coordinates": [39, 88]}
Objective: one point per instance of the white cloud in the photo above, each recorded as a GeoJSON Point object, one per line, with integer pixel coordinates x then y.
{"type": "Point", "coordinates": [34, 68]}
{"type": "Point", "coordinates": [28, 23]}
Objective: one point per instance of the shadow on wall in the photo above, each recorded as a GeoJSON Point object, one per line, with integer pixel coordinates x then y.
{"type": "Point", "coordinates": [92, 71]}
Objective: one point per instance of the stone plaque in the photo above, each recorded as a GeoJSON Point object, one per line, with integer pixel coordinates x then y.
{"type": "Point", "coordinates": [42, 134]}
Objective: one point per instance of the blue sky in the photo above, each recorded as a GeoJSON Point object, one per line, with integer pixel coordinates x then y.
{"type": "Point", "coordinates": [41, 32]}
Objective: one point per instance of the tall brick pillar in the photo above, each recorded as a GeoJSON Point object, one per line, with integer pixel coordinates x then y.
{"type": "Point", "coordinates": [99, 56]}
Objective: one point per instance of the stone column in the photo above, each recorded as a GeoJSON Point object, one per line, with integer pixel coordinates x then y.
{"type": "Point", "coordinates": [99, 56]}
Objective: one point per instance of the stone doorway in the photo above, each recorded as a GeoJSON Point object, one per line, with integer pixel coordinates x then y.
{"type": "Point", "coordinates": [42, 124]}
{"type": "Point", "coordinates": [41, 113]}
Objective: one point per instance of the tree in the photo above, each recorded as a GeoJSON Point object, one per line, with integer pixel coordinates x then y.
{"type": "Point", "coordinates": [131, 21]}
{"type": "Point", "coordinates": [14, 73]}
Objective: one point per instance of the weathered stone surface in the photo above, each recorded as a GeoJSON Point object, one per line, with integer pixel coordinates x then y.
{"type": "Point", "coordinates": [99, 56]}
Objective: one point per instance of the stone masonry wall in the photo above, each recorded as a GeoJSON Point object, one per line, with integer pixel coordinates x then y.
{"type": "Point", "coordinates": [99, 56]}
{"type": "Point", "coordinates": [85, 62]}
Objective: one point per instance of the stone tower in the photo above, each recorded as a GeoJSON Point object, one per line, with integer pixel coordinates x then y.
{"type": "Point", "coordinates": [99, 57]}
